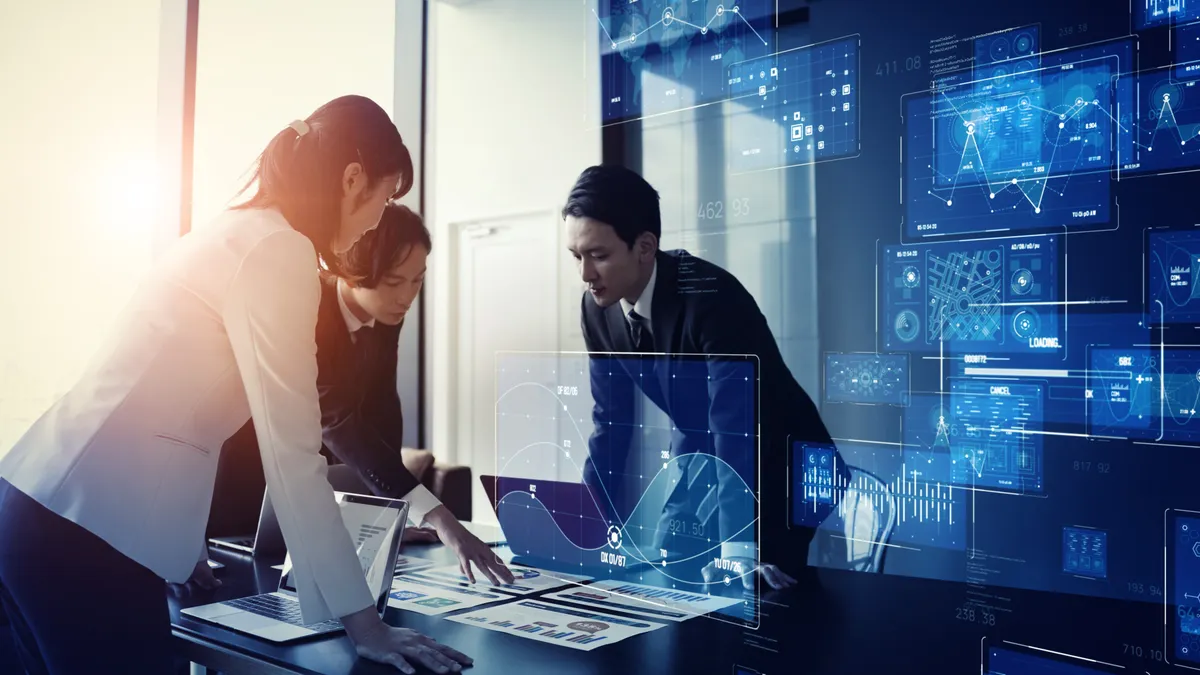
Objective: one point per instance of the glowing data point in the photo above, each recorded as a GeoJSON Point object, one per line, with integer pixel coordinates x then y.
{"type": "Point", "coordinates": [949, 202]}
{"type": "Point", "coordinates": [668, 16]}
{"type": "Point", "coordinates": [614, 537]}
{"type": "Point", "coordinates": [1014, 181]}
{"type": "Point", "coordinates": [1061, 125]}
{"type": "Point", "coordinates": [1037, 209]}
{"type": "Point", "coordinates": [704, 31]}
{"type": "Point", "coordinates": [992, 196]}
{"type": "Point", "coordinates": [970, 128]}
{"type": "Point", "coordinates": [720, 10]}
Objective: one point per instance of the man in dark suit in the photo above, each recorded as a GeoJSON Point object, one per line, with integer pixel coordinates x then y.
{"type": "Point", "coordinates": [641, 299]}
{"type": "Point", "coordinates": [358, 332]}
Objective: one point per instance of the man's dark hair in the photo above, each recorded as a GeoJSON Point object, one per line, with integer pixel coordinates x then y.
{"type": "Point", "coordinates": [388, 245]}
{"type": "Point", "coordinates": [618, 197]}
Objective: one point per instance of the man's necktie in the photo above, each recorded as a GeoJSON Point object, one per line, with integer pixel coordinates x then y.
{"type": "Point", "coordinates": [639, 333]}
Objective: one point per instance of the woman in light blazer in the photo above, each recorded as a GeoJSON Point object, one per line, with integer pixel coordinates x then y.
{"type": "Point", "coordinates": [107, 494]}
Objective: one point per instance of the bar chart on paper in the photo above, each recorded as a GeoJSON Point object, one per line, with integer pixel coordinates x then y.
{"type": "Point", "coordinates": [650, 601]}
{"type": "Point", "coordinates": [556, 624]}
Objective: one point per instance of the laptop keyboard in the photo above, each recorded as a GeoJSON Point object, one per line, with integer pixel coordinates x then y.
{"type": "Point", "coordinates": [287, 611]}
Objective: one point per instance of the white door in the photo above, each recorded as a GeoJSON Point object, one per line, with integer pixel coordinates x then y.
{"type": "Point", "coordinates": [508, 298]}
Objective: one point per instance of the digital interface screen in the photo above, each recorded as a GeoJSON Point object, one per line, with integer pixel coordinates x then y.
{"type": "Point", "coordinates": [971, 233]}
{"type": "Point", "coordinates": [801, 106]}
{"type": "Point", "coordinates": [589, 484]}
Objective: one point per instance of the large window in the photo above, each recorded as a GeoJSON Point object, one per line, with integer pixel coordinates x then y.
{"type": "Point", "coordinates": [262, 64]}
{"type": "Point", "coordinates": [79, 128]}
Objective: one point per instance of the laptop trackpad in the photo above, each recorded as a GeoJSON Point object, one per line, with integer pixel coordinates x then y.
{"type": "Point", "coordinates": [264, 627]}
{"type": "Point", "coordinates": [212, 612]}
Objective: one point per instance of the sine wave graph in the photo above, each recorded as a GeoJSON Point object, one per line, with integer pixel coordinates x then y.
{"type": "Point", "coordinates": [544, 422]}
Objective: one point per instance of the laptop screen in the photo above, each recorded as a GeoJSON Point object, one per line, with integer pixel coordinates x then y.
{"type": "Point", "coordinates": [376, 527]}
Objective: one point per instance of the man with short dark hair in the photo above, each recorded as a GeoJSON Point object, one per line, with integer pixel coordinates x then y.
{"type": "Point", "coordinates": [642, 299]}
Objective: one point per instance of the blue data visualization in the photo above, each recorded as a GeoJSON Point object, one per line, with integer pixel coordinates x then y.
{"type": "Point", "coordinates": [980, 436]}
{"type": "Point", "coordinates": [1019, 150]}
{"type": "Point", "coordinates": [1150, 393]}
{"type": "Point", "coordinates": [658, 56]}
{"type": "Point", "coordinates": [1167, 123]}
{"type": "Point", "coordinates": [1010, 659]}
{"type": "Point", "coordinates": [987, 296]}
{"type": "Point", "coordinates": [994, 435]}
{"type": "Point", "coordinates": [594, 478]}
{"type": "Point", "coordinates": [1187, 51]}
{"type": "Point", "coordinates": [928, 512]}
{"type": "Point", "coordinates": [866, 378]}
{"type": "Point", "coordinates": [1148, 13]}
{"type": "Point", "coordinates": [1007, 52]}
{"type": "Point", "coordinates": [1085, 552]}
{"type": "Point", "coordinates": [1183, 578]}
{"type": "Point", "coordinates": [1173, 271]}
{"type": "Point", "coordinates": [795, 107]}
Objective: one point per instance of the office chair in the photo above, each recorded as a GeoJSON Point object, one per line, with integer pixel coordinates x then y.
{"type": "Point", "coordinates": [855, 535]}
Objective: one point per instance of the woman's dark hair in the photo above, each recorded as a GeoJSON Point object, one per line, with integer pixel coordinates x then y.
{"type": "Point", "coordinates": [388, 245]}
{"type": "Point", "coordinates": [301, 174]}
{"type": "Point", "coordinates": [618, 197]}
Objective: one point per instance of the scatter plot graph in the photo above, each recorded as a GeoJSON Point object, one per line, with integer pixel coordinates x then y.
{"type": "Point", "coordinates": [658, 56]}
{"type": "Point", "coordinates": [1029, 147]}
{"type": "Point", "coordinates": [1167, 123]}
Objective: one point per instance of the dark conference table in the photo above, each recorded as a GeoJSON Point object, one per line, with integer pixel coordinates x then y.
{"type": "Point", "coordinates": [834, 622]}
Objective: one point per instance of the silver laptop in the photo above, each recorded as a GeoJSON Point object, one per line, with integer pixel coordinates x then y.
{"type": "Point", "coordinates": [267, 539]}
{"type": "Point", "coordinates": [377, 527]}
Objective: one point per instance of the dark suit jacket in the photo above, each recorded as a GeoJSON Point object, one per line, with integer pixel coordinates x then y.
{"type": "Point", "coordinates": [699, 308]}
{"type": "Point", "coordinates": [361, 418]}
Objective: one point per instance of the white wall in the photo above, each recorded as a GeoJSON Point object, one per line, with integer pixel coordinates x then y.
{"type": "Point", "coordinates": [509, 92]}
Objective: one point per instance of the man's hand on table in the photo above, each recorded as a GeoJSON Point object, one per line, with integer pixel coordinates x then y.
{"type": "Point", "coordinates": [776, 578]}
{"type": "Point", "coordinates": [375, 640]}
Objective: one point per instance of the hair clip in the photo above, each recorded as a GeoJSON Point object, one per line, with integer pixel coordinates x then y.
{"type": "Point", "coordinates": [300, 127]}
